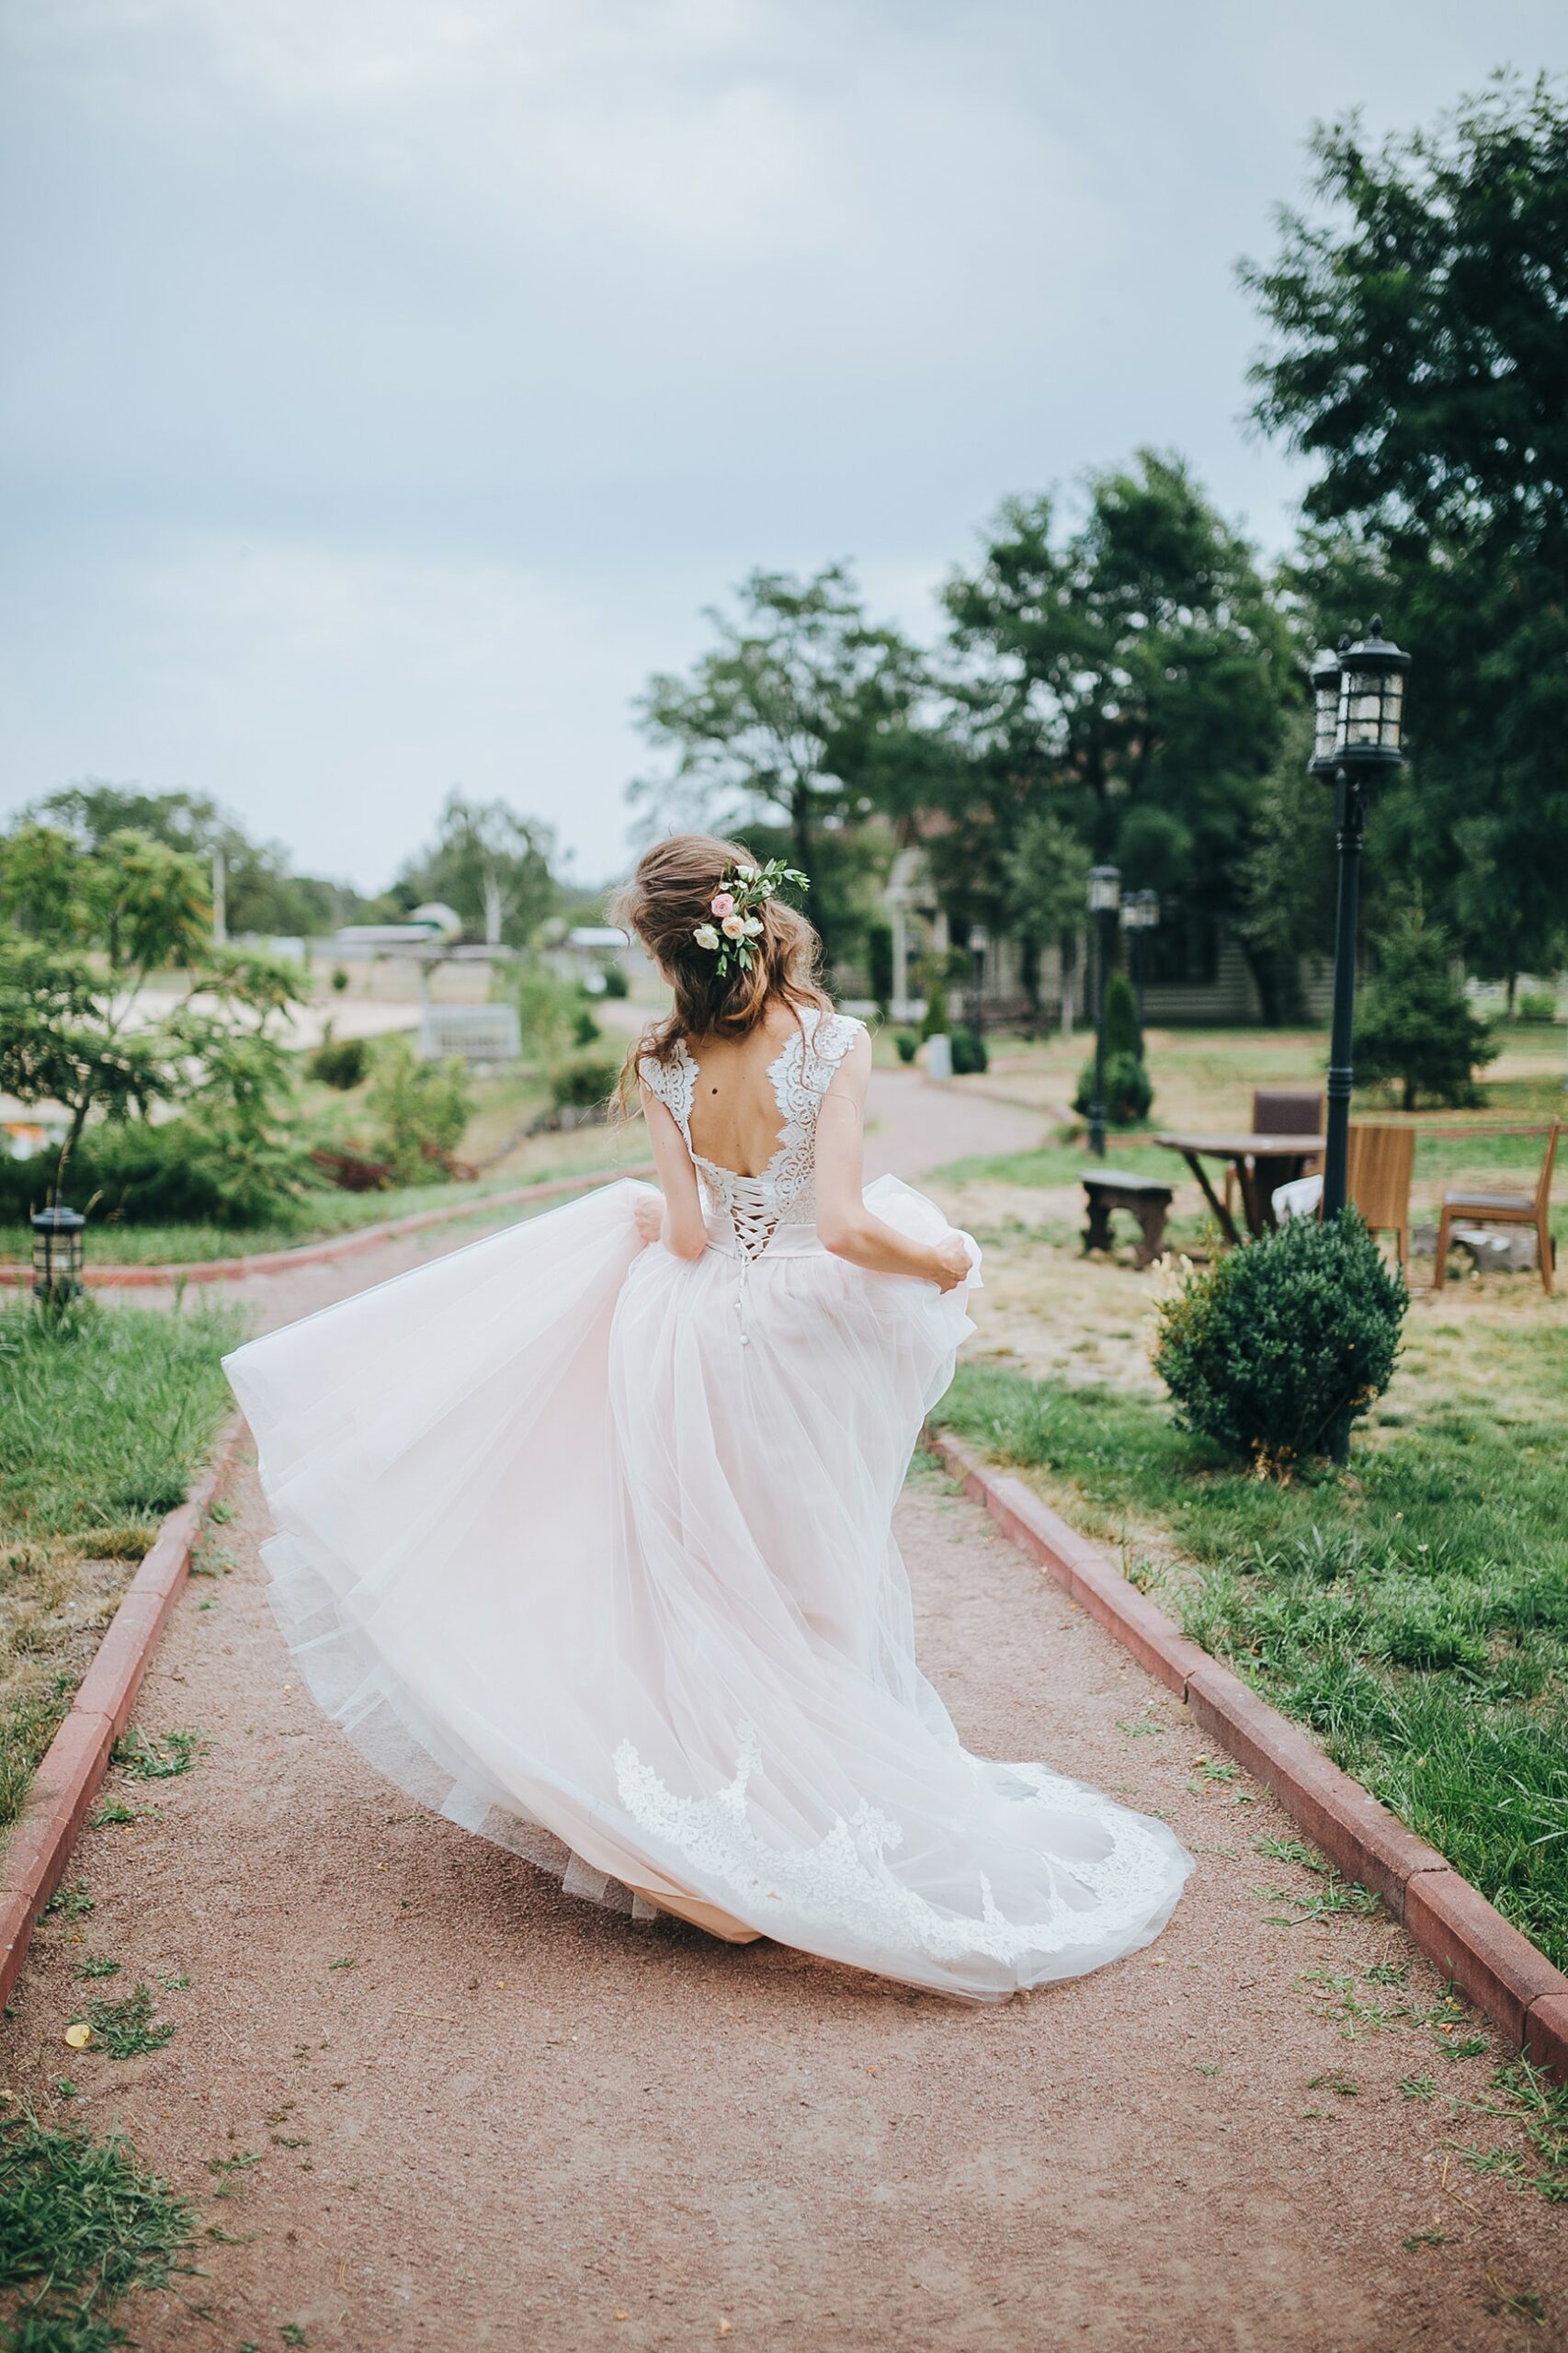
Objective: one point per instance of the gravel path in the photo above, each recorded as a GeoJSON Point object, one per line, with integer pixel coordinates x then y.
{"type": "Point", "coordinates": [456, 2108]}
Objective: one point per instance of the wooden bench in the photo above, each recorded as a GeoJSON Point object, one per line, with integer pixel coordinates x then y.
{"type": "Point", "coordinates": [1144, 1197]}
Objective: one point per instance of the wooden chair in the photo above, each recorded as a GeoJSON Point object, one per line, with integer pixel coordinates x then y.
{"type": "Point", "coordinates": [1505, 1208]}
{"type": "Point", "coordinates": [1280, 1111]}
{"type": "Point", "coordinates": [1377, 1179]}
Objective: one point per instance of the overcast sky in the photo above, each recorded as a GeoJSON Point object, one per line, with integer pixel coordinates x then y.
{"type": "Point", "coordinates": [388, 383]}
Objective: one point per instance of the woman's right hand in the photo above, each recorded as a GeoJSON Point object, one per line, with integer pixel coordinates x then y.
{"type": "Point", "coordinates": [648, 1216]}
{"type": "Point", "coordinates": [951, 1263]}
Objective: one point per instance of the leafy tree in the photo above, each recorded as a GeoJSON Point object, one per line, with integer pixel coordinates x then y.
{"type": "Point", "coordinates": [805, 716]}
{"type": "Point", "coordinates": [491, 866]}
{"type": "Point", "coordinates": [1047, 873]}
{"type": "Point", "coordinates": [262, 894]}
{"type": "Point", "coordinates": [1137, 669]}
{"type": "Point", "coordinates": [1414, 1026]}
{"type": "Point", "coordinates": [1419, 353]}
{"type": "Point", "coordinates": [82, 933]}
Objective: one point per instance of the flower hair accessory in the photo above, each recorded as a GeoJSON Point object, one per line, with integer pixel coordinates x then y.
{"type": "Point", "coordinates": [733, 908]}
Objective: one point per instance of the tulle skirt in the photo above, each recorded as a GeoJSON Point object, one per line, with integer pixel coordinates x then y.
{"type": "Point", "coordinates": [590, 1549]}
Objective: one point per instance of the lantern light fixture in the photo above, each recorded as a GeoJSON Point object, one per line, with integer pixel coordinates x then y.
{"type": "Point", "coordinates": [57, 1257]}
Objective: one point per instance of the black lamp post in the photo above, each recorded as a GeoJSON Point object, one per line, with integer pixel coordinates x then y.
{"type": "Point", "coordinates": [1358, 736]}
{"type": "Point", "coordinates": [57, 1257]}
{"type": "Point", "coordinates": [978, 941]}
{"type": "Point", "coordinates": [1140, 912]}
{"type": "Point", "coordinates": [1104, 896]}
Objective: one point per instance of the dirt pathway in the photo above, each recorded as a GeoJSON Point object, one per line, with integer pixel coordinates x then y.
{"type": "Point", "coordinates": [456, 2108]}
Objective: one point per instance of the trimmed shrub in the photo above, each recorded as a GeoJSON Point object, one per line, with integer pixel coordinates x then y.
{"type": "Point", "coordinates": [935, 1024]}
{"type": "Point", "coordinates": [1128, 1091]}
{"type": "Point", "coordinates": [616, 984]}
{"type": "Point", "coordinates": [1536, 1004]}
{"type": "Point", "coordinates": [340, 979]}
{"type": "Point", "coordinates": [584, 1029]}
{"type": "Point", "coordinates": [1269, 1348]}
{"type": "Point", "coordinates": [907, 1042]}
{"type": "Point", "coordinates": [340, 1061]}
{"type": "Point", "coordinates": [1120, 1017]}
{"type": "Point", "coordinates": [583, 1081]}
{"type": "Point", "coordinates": [1416, 1029]}
{"type": "Point", "coordinates": [968, 1053]}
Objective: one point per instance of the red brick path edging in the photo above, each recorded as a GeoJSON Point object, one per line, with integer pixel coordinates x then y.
{"type": "Point", "coordinates": [1498, 1969]}
{"type": "Point", "coordinates": [41, 1842]}
{"type": "Point", "coordinates": [338, 1246]}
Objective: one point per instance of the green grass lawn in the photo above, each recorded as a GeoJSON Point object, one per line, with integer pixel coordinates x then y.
{"type": "Point", "coordinates": [101, 1430]}
{"type": "Point", "coordinates": [1414, 1614]}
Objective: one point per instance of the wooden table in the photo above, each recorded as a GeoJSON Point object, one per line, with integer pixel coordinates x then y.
{"type": "Point", "coordinates": [1261, 1162]}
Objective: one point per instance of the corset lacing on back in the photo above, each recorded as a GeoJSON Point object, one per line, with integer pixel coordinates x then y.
{"type": "Point", "coordinates": [784, 1193]}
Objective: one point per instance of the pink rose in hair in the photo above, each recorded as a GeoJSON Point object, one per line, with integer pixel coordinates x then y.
{"type": "Point", "coordinates": [722, 904]}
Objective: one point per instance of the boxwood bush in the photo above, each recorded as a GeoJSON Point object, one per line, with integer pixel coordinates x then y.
{"type": "Point", "coordinates": [1267, 1349]}
{"type": "Point", "coordinates": [1128, 1093]}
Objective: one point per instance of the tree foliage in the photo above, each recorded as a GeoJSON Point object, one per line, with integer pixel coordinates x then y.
{"type": "Point", "coordinates": [1419, 354]}
{"type": "Point", "coordinates": [1128, 677]}
{"type": "Point", "coordinates": [82, 933]}
{"type": "Point", "coordinates": [805, 716]}
{"type": "Point", "coordinates": [1414, 1027]}
{"type": "Point", "coordinates": [491, 866]}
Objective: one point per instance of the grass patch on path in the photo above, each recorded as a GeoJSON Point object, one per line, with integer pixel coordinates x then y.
{"type": "Point", "coordinates": [1415, 1615]}
{"type": "Point", "coordinates": [102, 1428]}
{"type": "Point", "coordinates": [83, 2224]}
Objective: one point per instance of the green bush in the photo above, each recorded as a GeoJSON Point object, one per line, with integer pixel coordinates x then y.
{"type": "Point", "coordinates": [580, 1081]}
{"type": "Point", "coordinates": [616, 984]}
{"type": "Point", "coordinates": [1536, 1004]}
{"type": "Point", "coordinates": [878, 965]}
{"type": "Point", "coordinates": [212, 1170]}
{"type": "Point", "coordinates": [1120, 1017]}
{"type": "Point", "coordinates": [968, 1054]}
{"type": "Point", "coordinates": [340, 1061]}
{"type": "Point", "coordinates": [907, 1042]}
{"type": "Point", "coordinates": [340, 979]}
{"type": "Point", "coordinates": [935, 1024]}
{"type": "Point", "coordinates": [1128, 1091]}
{"type": "Point", "coordinates": [420, 1109]}
{"type": "Point", "coordinates": [584, 1029]}
{"type": "Point", "coordinates": [1416, 1029]}
{"type": "Point", "coordinates": [1270, 1347]}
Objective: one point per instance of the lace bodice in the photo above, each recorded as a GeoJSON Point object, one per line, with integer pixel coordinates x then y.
{"type": "Point", "coordinates": [801, 1075]}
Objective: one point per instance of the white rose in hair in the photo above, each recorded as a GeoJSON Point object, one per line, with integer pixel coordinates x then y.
{"type": "Point", "coordinates": [705, 936]}
{"type": "Point", "coordinates": [753, 925]}
{"type": "Point", "coordinates": [734, 928]}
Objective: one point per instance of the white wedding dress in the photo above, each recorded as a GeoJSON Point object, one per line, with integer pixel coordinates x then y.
{"type": "Point", "coordinates": [589, 1546]}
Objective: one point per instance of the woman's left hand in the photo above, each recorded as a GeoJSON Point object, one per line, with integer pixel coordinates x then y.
{"type": "Point", "coordinates": [648, 1215]}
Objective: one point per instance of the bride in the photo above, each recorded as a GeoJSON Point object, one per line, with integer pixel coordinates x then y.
{"type": "Point", "coordinates": [584, 1532]}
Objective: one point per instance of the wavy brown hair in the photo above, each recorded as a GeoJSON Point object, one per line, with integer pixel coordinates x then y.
{"type": "Point", "coordinates": [669, 895]}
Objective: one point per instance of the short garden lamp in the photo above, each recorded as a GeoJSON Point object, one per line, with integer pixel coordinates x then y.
{"type": "Point", "coordinates": [1140, 912]}
{"type": "Point", "coordinates": [1104, 898]}
{"type": "Point", "coordinates": [1358, 736]}
{"type": "Point", "coordinates": [57, 1256]}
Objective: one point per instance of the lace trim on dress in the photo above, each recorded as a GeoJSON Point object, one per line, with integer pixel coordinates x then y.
{"type": "Point", "coordinates": [847, 1881]}
{"type": "Point", "coordinates": [784, 1193]}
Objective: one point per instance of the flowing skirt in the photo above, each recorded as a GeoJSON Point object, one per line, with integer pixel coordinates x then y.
{"type": "Point", "coordinates": [590, 1548]}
